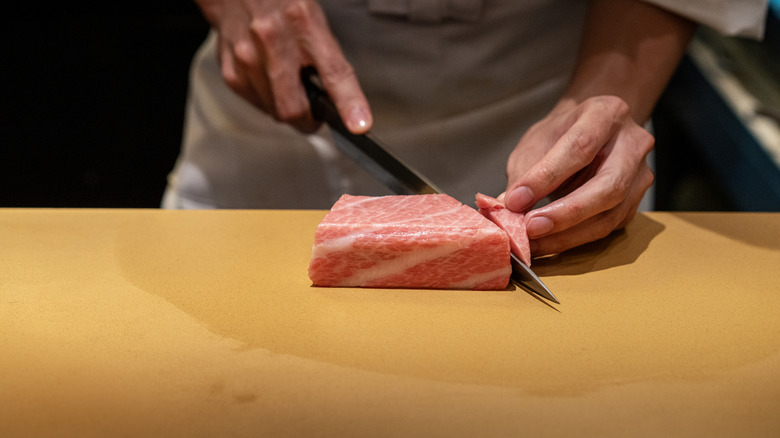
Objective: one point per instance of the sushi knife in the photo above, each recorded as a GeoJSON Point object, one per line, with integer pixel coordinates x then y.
{"type": "Point", "coordinates": [391, 171]}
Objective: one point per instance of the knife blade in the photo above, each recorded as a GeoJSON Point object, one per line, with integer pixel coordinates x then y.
{"type": "Point", "coordinates": [391, 171]}
{"type": "Point", "coordinates": [525, 277]}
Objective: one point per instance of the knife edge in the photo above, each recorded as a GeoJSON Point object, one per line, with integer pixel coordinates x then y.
{"type": "Point", "coordinates": [523, 275]}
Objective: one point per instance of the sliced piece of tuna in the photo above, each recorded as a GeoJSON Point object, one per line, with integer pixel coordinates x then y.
{"type": "Point", "coordinates": [511, 222]}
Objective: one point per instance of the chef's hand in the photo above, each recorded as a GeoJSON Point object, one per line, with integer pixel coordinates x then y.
{"type": "Point", "coordinates": [264, 44]}
{"type": "Point", "coordinates": [589, 154]}
{"type": "Point", "coordinates": [590, 158]}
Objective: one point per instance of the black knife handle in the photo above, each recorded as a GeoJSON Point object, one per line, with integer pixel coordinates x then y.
{"type": "Point", "coordinates": [365, 150]}
{"type": "Point", "coordinates": [322, 107]}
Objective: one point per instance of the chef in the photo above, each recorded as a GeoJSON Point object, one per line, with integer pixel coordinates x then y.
{"type": "Point", "coordinates": [536, 99]}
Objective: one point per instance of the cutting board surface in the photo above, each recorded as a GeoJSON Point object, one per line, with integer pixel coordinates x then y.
{"type": "Point", "coordinates": [174, 323]}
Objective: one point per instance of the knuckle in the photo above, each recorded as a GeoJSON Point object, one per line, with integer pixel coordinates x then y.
{"type": "Point", "coordinates": [299, 12]}
{"type": "Point", "coordinates": [646, 141]}
{"type": "Point", "coordinates": [547, 174]}
{"type": "Point", "coordinates": [245, 54]}
{"type": "Point", "coordinates": [574, 211]}
{"type": "Point", "coordinates": [613, 105]}
{"type": "Point", "coordinates": [616, 190]}
{"type": "Point", "coordinates": [579, 145]}
{"type": "Point", "coordinates": [619, 106]}
{"type": "Point", "coordinates": [336, 70]}
{"type": "Point", "coordinates": [620, 184]}
{"type": "Point", "coordinates": [265, 29]}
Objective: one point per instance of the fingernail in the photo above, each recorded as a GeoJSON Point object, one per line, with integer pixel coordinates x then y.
{"type": "Point", "coordinates": [519, 199]}
{"type": "Point", "coordinates": [538, 226]}
{"type": "Point", "coordinates": [358, 121]}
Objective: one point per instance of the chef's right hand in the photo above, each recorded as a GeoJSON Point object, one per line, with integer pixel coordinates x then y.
{"type": "Point", "coordinates": [264, 44]}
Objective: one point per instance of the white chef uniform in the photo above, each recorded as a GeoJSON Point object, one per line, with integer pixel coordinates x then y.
{"type": "Point", "coordinates": [452, 84]}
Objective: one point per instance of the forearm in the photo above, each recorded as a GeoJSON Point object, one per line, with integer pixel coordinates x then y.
{"type": "Point", "coordinates": [630, 50]}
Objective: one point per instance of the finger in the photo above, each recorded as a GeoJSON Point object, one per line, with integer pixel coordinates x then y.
{"type": "Point", "coordinates": [245, 75]}
{"type": "Point", "coordinates": [595, 227]}
{"type": "Point", "coordinates": [573, 151]}
{"type": "Point", "coordinates": [615, 182]}
{"type": "Point", "coordinates": [336, 73]}
{"type": "Point", "coordinates": [282, 64]}
{"type": "Point", "coordinates": [227, 63]}
{"type": "Point", "coordinates": [644, 185]}
{"type": "Point", "coordinates": [343, 88]}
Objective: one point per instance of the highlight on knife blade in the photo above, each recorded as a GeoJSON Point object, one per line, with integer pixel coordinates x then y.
{"type": "Point", "coordinates": [524, 276]}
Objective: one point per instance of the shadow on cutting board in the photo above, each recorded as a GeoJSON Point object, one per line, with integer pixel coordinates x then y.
{"type": "Point", "coordinates": [620, 248]}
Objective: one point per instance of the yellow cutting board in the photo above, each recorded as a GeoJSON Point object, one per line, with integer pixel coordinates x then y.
{"type": "Point", "coordinates": [204, 323]}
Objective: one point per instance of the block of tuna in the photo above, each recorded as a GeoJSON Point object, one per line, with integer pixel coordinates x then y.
{"type": "Point", "coordinates": [417, 241]}
{"type": "Point", "coordinates": [509, 221]}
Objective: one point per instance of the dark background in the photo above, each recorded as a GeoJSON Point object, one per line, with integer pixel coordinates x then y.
{"type": "Point", "coordinates": [92, 101]}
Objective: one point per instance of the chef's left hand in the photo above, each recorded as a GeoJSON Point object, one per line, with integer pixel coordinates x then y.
{"type": "Point", "coordinates": [588, 155]}
{"type": "Point", "coordinates": [590, 159]}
